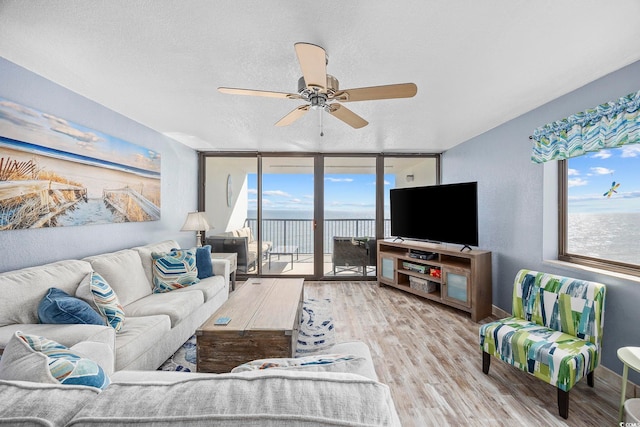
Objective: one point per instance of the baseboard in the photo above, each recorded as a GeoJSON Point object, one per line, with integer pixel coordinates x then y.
{"type": "Point", "coordinates": [498, 312]}
{"type": "Point", "coordinates": [606, 374]}
{"type": "Point", "coordinates": [602, 372]}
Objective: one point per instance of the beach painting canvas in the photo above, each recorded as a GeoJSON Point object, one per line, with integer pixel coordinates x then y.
{"type": "Point", "coordinates": [54, 172]}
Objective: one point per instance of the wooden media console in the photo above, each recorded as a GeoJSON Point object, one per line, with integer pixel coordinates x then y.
{"type": "Point", "coordinates": [438, 272]}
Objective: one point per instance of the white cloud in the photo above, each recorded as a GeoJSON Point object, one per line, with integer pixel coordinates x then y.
{"type": "Point", "coordinates": [630, 151]}
{"type": "Point", "coordinates": [278, 193]}
{"type": "Point", "coordinates": [601, 171]}
{"type": "Point", "coordinates": [573, 172]}
{"type": "Point", "coordinates": [602, 154]}
{"type": "Point", "coordinates": [252, 191]}
{"type": "Point", "coordinates": [338, 179]}
{"type": "Point", "coordinates": [577, 182]}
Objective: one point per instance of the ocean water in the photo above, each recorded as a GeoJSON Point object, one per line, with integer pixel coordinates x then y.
{"type": "Point", "coordinates": [613, 236]}
{"type": "Point", "coordinates": [295, 227]}
{"type": "Point", "coordinates": [305, 214]}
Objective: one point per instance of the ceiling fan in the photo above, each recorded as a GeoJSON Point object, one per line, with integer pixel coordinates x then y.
{"type": "Point", "coordinates": [321, 92]}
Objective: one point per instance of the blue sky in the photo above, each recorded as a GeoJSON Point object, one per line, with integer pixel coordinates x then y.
{"type": "Point", "coordinates": [22, 123]}
{"type": "Point", "coordinates": [343, 192]}
{"type": "Point", "coordinates": [591, 175]}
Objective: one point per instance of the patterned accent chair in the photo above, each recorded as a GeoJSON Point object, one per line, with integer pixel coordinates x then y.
{"type": "Point", "coordinates": [554, 334]}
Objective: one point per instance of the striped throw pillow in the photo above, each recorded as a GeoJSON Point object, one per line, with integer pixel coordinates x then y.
{"type": "Point", "coordinates": [38, 359]}
{"type": "Point", "coordinates": [174, 270]}
{"type": "Point", "coordinates": [97, 292]}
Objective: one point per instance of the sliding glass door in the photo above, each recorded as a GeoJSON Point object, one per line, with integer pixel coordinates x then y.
{"type": "Point", "coordinates": [288, 215]}
{"type": "Point", "coordinates": [304, 215]}
{"type": "Point", "coordinates": [349, 216]}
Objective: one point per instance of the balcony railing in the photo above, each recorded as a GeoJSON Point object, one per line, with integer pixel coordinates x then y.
{"type": "Point", "coordinates": [299, 232]}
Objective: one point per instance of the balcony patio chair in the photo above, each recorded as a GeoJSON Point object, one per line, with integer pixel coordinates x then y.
{"type": "Point", "coordinates": [352, 253]}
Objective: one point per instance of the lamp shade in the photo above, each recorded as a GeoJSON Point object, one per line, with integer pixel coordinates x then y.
{"type": "Point", "coordinates": [196, 221]}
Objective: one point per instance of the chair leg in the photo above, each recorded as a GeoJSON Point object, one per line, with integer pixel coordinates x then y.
{"type": "Point", "coordinates": [563, 403]}
{"type": "Point", "coordinates": [590, 379]}
{"type": "Point", "coordinates": [486, 362]}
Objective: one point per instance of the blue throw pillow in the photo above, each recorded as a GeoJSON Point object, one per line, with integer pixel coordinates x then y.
{"type": "Point", "coordinates": [59, 307]}
{"type": "Point", "coordinates": [203, 261]}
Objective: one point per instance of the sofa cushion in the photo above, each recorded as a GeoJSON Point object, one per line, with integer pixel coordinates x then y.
{"type": "Point", "coordinates": [138, 336]}
{"type": "Point", "coordinates": [57, 306]}
{"type": "Point", "coordinates": [124, 273]}
{"type": "Point", "coordinates": [174, 270]}
{"type": "Point", "coordinates": [245, 232]}
{"type": "Point", "coordinates": [38, 359]}
{"type": "Point", "coordinates": [209, 287]}
{"type": "Point", "coordinates": [97, 292]}
{"type": "Point", "coordinates": [360, 349]}
{"type": "Point", "coordinates": [315, 363]}
{"type": "Point", "coordinates": [176, 305]}
{"type": "Point", "coordinates": [26, 403]}
{"type": "Point", "coordinates": [22, 290]}
{"type": "Point", "coordinates": [265, 398]}
{"type": "Point", "coordinates": [145, 256]}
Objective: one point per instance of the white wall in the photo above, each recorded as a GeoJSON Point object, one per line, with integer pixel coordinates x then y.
{"type": "Point", "coordinates": [221, 216]}
{"type": "Point", "coordinates": [23, 248]}
{"type": "Point", "coordinates": [517, 206]}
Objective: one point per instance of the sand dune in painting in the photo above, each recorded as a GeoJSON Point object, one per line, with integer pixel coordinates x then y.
{"type": "Point", "coordinates": [107, 195]}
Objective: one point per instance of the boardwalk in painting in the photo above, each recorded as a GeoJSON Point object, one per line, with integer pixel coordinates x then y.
{"type": "Point", "coordinates": [54, 172]}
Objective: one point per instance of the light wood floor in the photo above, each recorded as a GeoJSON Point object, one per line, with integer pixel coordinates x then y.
{"type": "Point", "coordinates": [429, 356]}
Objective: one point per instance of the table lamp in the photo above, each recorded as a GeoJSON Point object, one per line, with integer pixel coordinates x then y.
{"type": "Point", "coordinates": [196, 221]}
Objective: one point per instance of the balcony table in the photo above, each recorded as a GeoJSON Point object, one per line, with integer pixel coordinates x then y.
{"type": "Point", "coordinates": [283, 250]}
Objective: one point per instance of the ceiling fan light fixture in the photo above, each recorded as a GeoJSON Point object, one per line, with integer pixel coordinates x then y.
{"type": "Point", "coordinates": [321, 90]}
{"type": "Point", "coordinates": [306, 91]}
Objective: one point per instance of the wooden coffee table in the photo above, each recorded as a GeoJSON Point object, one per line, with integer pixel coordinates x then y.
{"type": "Point", "coordinates": [264, 320]}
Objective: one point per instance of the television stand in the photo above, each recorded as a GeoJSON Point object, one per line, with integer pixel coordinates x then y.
{"type": "Point", "coordinates": [441, 273]}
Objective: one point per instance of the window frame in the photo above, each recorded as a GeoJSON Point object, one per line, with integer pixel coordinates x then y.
{"type": "Point", "coordinates": [563, 253]}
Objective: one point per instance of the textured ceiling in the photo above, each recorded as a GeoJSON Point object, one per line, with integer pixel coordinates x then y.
{"type": "Point", "coordinates": [477, 64]}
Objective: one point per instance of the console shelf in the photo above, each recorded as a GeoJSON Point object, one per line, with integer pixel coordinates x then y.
{"type": "Point", "coordinates": [460, 279]}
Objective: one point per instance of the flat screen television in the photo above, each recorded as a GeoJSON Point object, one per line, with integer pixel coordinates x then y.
{"type": "Point", "coordinates": [445, 213]}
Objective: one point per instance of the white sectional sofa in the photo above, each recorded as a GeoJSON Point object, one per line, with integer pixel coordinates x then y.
{"type": "Point", "coordinates": [155, 325]}
{"type": "Point", "coordinates": [325, 395]}
{"type": "Point", "coordinates": [346, 392]}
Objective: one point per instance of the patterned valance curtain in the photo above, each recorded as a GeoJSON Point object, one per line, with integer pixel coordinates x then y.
{"type": "Point", "coordinates": [608, 125]}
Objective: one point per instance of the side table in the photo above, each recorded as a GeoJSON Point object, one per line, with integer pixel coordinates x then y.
{"type": "Point", "coordinates": [630, 357]}
{"type": "Point", "coordinates": [233, 260]}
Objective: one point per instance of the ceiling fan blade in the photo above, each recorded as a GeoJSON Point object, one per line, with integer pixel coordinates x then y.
{"type": "Point", "coordinates": [251, 92]}
{"type": "Point", "coordinates": [313, 63]}
{"type": "Point", "coordinates": [347, 116]}
{"type": "Point", "coordinates": [293, 116]}
{"type": "Point", "coordinates": [403, 90]}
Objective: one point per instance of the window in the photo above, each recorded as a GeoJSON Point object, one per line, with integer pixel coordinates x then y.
{"type": "Point", "coordinates": [600, 209]}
